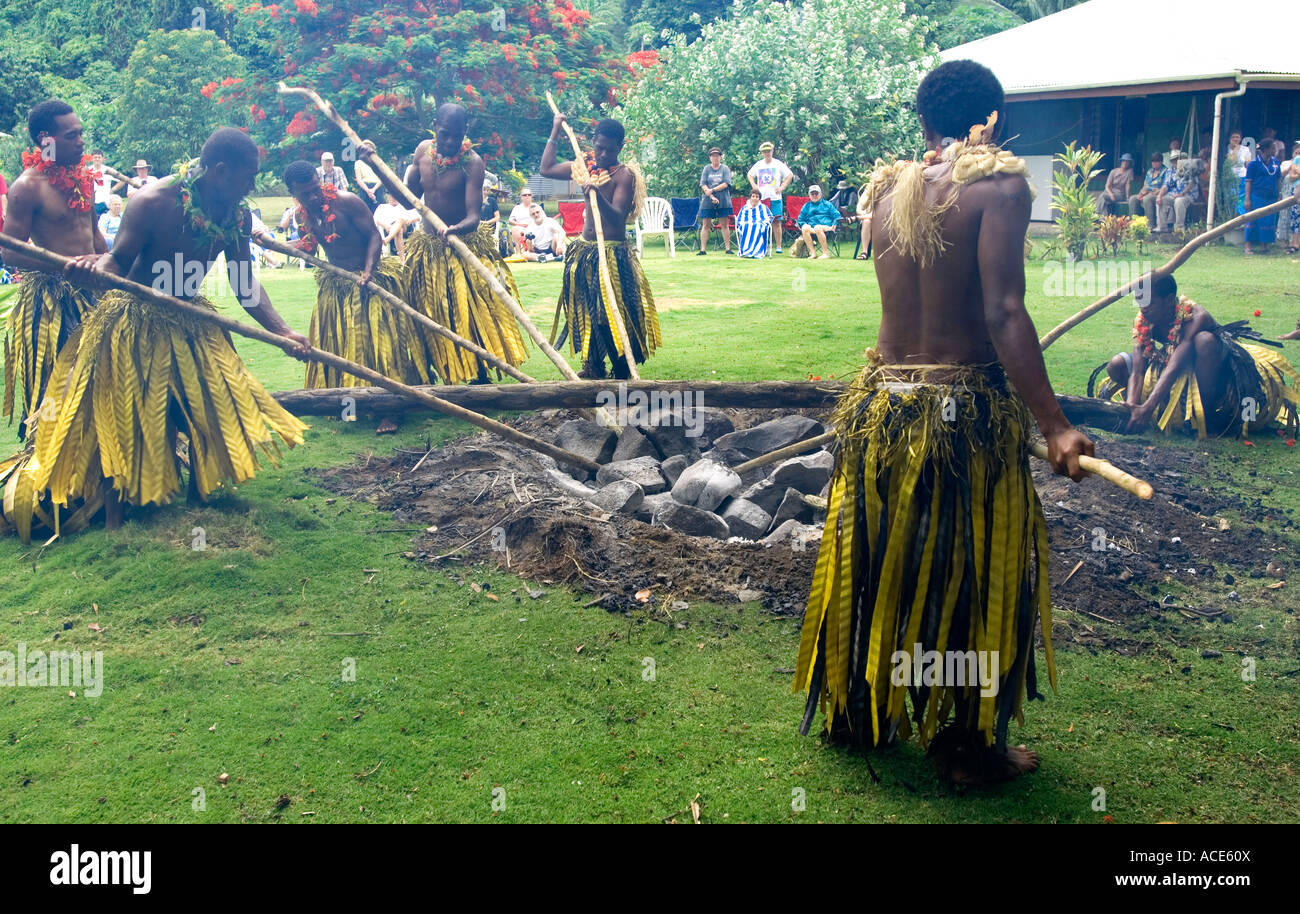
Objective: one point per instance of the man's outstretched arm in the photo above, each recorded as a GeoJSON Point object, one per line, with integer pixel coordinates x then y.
{"type": "Point", "coordinates": [1002, 277]}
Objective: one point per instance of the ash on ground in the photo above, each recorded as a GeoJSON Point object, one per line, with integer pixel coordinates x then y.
{"type": "Point", "coordinates": [667, 520]}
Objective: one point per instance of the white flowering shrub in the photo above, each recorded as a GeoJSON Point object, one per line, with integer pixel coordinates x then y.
{"type": "Point", "coordinates": [829, 82]}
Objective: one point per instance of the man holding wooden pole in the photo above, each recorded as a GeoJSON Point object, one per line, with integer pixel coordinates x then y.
{"type": "Point", "coordinates": [51, 204]}
{"type": "Point", "coordinates": [593, 322]}
{"type": "Point", "coordinates": [349, 319]}
{"type": "Point", "coordinates": [448, 175]}
{"type": "Point", "coordinates": [142, 373]}
{"type": "Point", "coordinates": [935, 542]}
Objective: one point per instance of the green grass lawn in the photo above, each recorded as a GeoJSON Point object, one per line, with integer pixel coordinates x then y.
{"type": "Point", "coordinates": [235, 659]}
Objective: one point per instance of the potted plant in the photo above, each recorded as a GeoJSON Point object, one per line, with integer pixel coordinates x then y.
{"type": "Point", "coordinates": [1075, 206]}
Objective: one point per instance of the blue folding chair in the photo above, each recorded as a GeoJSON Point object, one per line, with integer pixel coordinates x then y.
{"type": "Point", "coordinates": [686, 216]}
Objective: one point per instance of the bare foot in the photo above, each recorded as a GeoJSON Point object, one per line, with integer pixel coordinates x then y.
{"type": "Point", "coordinates": [1293, 335]}
{"type": "Point", "coordinates": [386, 426]}
{"type": "Point", "coordinates": [964, 759]}
{"type": "Point", "coordinates": [974, 767]}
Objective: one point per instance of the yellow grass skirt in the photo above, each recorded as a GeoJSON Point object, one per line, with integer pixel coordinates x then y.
{"type": "Point", "coordinates": [1255, 373]}
{"type": "Point", "coordinates": [361, 327]}
{"type": "Point", "coordinates": [590, 319]}
{"type": "Point", "coordinates": [934, 536]}
{"type": "Point", "coordinates": [49, 309]}
{"type": "Point", "coordinates": [138, 374]}
{"type": "Point", "coordinates": [452, 293]}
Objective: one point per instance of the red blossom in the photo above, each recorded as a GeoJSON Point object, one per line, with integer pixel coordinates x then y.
{"type": "Point", "coordinates": [302, 124]}
{"type": "Point", "coordinates": [207, 90]}
{"type": "Point", "coordinates": [306, 6]}
{"type": "Point", "coordinates": [1257, 312]}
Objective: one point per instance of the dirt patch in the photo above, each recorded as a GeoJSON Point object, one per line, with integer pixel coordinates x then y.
{"type": "Point", "coordinates": [1114, 558]}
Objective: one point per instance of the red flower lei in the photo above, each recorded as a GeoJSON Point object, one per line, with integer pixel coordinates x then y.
{"type": "Point", "coordinates": [443, 162]}
{"type": "Point", "coordinates": [589, 160]}
{"type": "Point", "coordinates": [307, 242]}
{"type": "Point", "coordinates": [77, 182]}
{"type": "Point", "coordinates": [1142, 333]}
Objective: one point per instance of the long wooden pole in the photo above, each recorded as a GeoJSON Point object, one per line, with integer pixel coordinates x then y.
{"type": "Point", "coordinates": [1090, 411]}
{"type": "Point", "coordinates": [390, 299]}
{"type": "Point", "coordinates": [606, 283]}
{"type": "Point", "coordinates": [1174, 263]}
{"type": "Point", "coordinates": [58, 264]}
{"type": "Point", "coordinates": [399, 187]}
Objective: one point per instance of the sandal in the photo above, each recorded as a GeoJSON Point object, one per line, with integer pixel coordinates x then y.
{"type": "Point", "coordinates": [862, 256]}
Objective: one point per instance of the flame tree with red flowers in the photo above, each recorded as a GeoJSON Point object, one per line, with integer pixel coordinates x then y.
{"type": "Point", "coordinates": [388, 65]}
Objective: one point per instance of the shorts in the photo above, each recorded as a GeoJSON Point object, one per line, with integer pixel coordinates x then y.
{"type": "Point", "coordinates": [778, 208]}
{"type": "Point", "coordinates": [711, 210]}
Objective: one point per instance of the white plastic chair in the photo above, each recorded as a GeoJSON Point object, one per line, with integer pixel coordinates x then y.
{"type": "Point", "coordinates": [656, 218]}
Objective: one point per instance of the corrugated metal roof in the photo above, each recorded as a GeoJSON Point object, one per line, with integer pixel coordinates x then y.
{"type": "Point", "coordinates": [1099, 44]}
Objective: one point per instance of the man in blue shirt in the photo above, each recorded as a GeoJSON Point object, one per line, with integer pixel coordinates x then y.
{"type": "Point", "coordinates": [817, 217]}
{"type": "Point", "coordinates": [1180, 191]}
{"type": "Point", "coordinates": [1144, 201]}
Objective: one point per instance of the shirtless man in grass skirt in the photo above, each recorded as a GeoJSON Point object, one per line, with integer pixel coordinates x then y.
{"type": "Point", "coordinates": [935, 539]}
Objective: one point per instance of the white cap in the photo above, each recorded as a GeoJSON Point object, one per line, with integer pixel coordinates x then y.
{"type": "Point", "coordinates": [817, 188]}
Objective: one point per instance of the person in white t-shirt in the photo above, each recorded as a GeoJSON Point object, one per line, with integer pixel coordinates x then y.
{"type": "Point", "coordinates": [520, 219]}
{"type": "Point", "coordinates": [102, 189]}
{"type": "Point", "coordinates": [771, 177]}
{"type": "Point", "coordinates": [545, 235]}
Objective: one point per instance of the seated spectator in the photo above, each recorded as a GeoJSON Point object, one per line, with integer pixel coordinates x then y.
{"type": "Point", "coordinates": [817, 217]}
{"type": "Point", "coordinates": [394, 224]}
{"type": "Point", "coordinates": [846, 200]}
{"type": "Point", "coordinates": [1117, 186]}
{"type": "Point", "coordinates": [260, 231]}
{"type": "Point", "coordinates": [1179, 192]}
{"type": "Point", "coordinates": [1144, 201]}
{"type": "Point", "coordinates": [289, 223]}
{"type": "Point", "coordinates": [520, 219]}
{"type": "Point", "coordinates": [545, 237]}
{"type": "Point", "coordinates": [752, 223]}
{"type": "Point", "coordinates": [111, 220]}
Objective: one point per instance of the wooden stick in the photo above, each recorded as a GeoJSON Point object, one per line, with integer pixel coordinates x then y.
{"type": "Point", "coordinates": [58, 264]}
{"type": "Point", "coordinates": [399, 187]}
{"type": "Point", "coordinates": [606, 284]}
{"type": "Point", "coordinates": [790, 450]}
{"type": "Point", "coordinates": [134, 181]}
{"type": "Point", "coordinates": [128, 179]}
{"type": "Point", "coordinates": [1103, 468]}
{"type": "Point", "coordinates": [1106, 470]}
{"type": "Point", "coordinates": [390, 299]}
{"type": "Point", "coordinates": [1176, 261]}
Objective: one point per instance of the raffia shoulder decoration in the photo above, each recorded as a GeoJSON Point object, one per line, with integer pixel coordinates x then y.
{"type": "Point", "coordinates": [914, 223]}
{"type": "Point", "coordinates": [585, 172]}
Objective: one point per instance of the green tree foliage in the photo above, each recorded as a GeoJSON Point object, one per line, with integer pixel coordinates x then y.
{"type": "Point", "coordinates": [965, 23]}
{"type": "Point", "coordinates": [166, 116]}
{"type": "Point", "coordinates": [683, 17]}
{"type": "Point", "coordinates": [1037, 9]}
{"type": "Point", "coordinates": [829, 82]}
{"type": "Point", "coordinates": [387, 66]}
